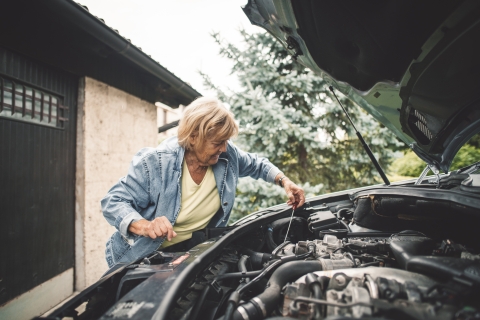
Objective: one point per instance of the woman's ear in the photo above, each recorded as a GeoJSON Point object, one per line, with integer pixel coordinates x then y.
{"type": "Point", "coordinates": [192, 139]}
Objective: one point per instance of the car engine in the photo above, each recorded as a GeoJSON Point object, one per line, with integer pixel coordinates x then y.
{"type": "Point", "coordinates": [326, 270]}
{"type": "Point", "coordinates": [405, 252]}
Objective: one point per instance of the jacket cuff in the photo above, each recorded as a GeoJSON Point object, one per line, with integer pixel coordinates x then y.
{"type": "Point", "coordinates": [272, 173]}
{"type": "Point", "coordinates": [123, 227]}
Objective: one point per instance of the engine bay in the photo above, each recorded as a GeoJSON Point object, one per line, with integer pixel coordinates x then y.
{"type": "Point", "coordinates": [327, 267]}
{"type": "Point", "coordinates": [377, 253]}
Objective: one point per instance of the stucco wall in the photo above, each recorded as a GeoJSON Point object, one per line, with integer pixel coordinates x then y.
{"type": "Point", "coordinates": [112, 127]}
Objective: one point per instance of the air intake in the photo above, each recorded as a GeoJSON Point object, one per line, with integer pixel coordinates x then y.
{"type": "Point", "coordinates": [418, 125]}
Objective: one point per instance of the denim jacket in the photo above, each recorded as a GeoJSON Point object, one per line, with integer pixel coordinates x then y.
{"type": "Point", "coordinates": [152, 188]}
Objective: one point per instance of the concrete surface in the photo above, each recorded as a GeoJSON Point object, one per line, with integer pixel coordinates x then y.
{"type": "Point", "coordinates": [40, 299]}
{"type": "Point", "coordinates": [112, 127]}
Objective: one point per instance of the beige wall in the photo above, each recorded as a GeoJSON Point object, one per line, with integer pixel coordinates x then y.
{"type": "Point", "coordinates": [112, 127]}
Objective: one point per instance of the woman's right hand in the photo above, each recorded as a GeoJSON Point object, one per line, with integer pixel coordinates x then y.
{"type": "Point", "coordinates": [159, 227]}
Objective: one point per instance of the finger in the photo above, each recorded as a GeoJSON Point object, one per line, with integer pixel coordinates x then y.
{"type": "Point", "coordinates": [169, 229]}
{"type": "Point", "coordinates": [290, 197]}
{"type": "Point", "coordinates": [164, 229]}
{"type": "Point", "coordinates": [152, 234]}
{"type": "Point", "coordinates": [156, 228]}
{"type": "Point", "coordinates": [293, 204]}
{"type": "Point", "coordinates": [301, 199]}
{"type": "Point", "coordinates": [161, 224]}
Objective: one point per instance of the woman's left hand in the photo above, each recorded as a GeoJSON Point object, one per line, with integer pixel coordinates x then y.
{"type": "Point", "coordinates": [295, 194]}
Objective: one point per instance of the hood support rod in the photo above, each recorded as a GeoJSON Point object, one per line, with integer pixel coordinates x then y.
{"type": "Point", "coordinates": [364, 144]}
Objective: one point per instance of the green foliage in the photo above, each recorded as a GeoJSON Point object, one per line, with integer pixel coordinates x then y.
{"type": "Point", "coordinates": [411, 166]}
{"type": "Point", "coordinates": [467, 155]}
{"type": "Point", "coordinates": [287, 114]}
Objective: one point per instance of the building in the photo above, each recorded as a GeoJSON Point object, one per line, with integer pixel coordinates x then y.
{"type": "Point", "coordinates": [167, 120]}
{"type": "Point", "coordinates": [77, 100]}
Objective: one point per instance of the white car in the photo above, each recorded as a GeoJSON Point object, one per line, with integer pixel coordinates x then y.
{"type": "Point", "coordinates": [408, 250]}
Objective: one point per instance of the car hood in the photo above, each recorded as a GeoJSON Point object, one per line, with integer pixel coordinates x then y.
{"type": "Point", "coordinates": [413, 65]}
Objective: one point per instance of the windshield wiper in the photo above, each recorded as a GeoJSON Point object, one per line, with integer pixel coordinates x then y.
{"type": "Point", "coordinates": [364, 144]}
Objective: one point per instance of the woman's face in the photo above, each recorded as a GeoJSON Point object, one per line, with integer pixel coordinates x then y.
{"type": "Point", "coordinates": [210, 151]}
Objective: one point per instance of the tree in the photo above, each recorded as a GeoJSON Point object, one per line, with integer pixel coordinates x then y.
{"type": "Point", "coordinates": [286, 114]}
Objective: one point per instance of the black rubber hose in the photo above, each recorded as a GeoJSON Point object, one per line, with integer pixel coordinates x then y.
{"type": "Point", "coordinates": [257, 259]}
{"type": "Point", "coordinates": [350, 256]}
{"type": "Point", "coordinates": [270, 242]}
{"type": "Point", "coordinates": [234, 275]}
{"type": "Point", "coordinates": [199, 303]}
{"type": "Point", "coordinates": [342, 211]}
{"type": "Point", "coordinates": [232, 303]}
{"type": "Point", "coordinates": [264, 304]}
{"type": "Point", "coordinates": [242, 266]}
{"type": "Point", "coordinates": [274, 265]}
{"type": "Point", "coordinates": [315, 287]}
{"type": "Point", "coordinates": [238, 275]}
{"type": "Point", "coordinates": [345, 225]}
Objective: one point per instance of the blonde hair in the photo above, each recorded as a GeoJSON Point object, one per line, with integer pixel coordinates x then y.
{"type": "Point", "coordinates": [206, 118]}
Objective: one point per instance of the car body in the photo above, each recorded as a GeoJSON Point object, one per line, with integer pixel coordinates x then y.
{"type": "Point", "coordinates": [402, 251]}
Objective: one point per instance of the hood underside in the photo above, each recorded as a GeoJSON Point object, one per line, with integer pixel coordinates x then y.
{"type": "Point", "coordinates": [413, 65]}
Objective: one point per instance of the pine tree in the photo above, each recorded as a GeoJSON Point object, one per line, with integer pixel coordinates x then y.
{"type": "Point", "coordinates": [287, 114]}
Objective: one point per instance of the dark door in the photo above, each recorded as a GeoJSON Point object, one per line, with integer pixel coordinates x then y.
{"type": "Point", "coordinates": [37, 173]}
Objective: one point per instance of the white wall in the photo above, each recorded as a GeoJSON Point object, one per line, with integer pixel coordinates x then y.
{"type": "Point", "coordinates": [112, 126]}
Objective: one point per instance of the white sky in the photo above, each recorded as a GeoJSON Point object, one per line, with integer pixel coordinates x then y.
{"type": "Point", "coordinates": [176, 33]}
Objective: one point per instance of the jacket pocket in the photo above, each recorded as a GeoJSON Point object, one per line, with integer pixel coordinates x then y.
{"type": "Point", "coordinates": [117, 247]}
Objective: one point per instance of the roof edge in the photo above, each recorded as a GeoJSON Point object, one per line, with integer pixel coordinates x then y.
{"type": "Point", "coordinates": [84, 20]}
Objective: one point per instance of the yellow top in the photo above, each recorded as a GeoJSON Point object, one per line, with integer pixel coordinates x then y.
{"type": "Point", "coordinates": [199, 204]}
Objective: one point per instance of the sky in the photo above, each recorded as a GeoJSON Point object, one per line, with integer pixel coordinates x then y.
{"type": "Point", "coordinates": [176, 33]}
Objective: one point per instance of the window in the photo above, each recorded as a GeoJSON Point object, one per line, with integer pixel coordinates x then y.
{"type": "Point", "coordinates": [21, 102]}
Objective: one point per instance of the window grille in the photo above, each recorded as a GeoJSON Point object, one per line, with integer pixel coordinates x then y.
{"type": "Point", "coordinates": [21, 102]}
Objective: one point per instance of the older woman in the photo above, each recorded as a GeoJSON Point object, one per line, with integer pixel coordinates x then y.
{"type": "Point", "coordinates": [185, 184]}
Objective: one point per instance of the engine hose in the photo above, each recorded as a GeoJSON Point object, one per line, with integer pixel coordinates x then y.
{"type": "Point", "coordinates": [351, 258]}
{"type": "Point", "coordinates": [315, 287]}
{"type": "Point", "coordinates": [238, 275]}
{"type": "Point", "coordinates": [265, 303]}
{"type": "Point", "coordinates": [242, 266]}
{"type": "Point", "coordinates": [257, 259]}
{"type": "Point", "coordinates": [270, 242]}
{"type": "Point", "coordinates": [234, 275]}
{"type": "Point", "coordinates": [199, 303]}
{"type": "Point", "coordinates": [345, 225]}
{"type": "Point", "coordinates": [340, 213]}
{"type": "Point", "coordinates": [277, 226]}
{"type": "Point", "coordinates": [274, 265]}
{"type": "Point", "coordinates": [237, 293]}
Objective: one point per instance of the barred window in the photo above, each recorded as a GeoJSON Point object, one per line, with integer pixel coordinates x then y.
{"type": "Point", "coordinates": [21, 102]}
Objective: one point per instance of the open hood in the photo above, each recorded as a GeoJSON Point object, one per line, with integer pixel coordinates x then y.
{"type": "Point", "coordinates": [413, 65]}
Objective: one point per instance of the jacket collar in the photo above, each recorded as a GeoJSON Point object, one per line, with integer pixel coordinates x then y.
{"type": "Point", "coordinates": [180, 155]}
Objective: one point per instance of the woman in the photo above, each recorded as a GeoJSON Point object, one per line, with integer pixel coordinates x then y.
{"type": "Point", "coordinates": [185, 184]}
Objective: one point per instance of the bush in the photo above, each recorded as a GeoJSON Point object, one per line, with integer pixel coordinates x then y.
{"type": "Point", "coordinates": [410, 165]}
